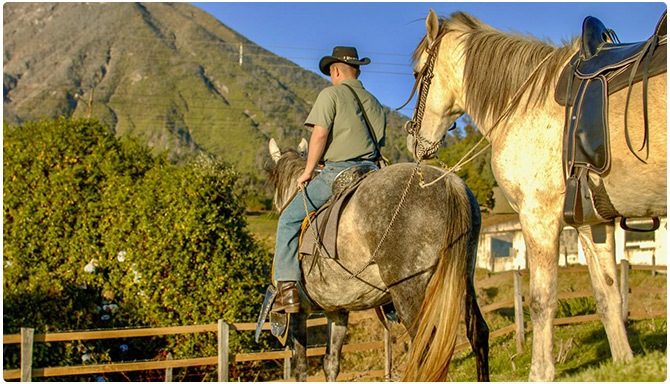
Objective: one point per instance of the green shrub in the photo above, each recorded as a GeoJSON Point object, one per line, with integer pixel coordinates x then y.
{"type": "Point", "coordinates": [576, 307]}
{"type": "Point", "coordinates": [477, 173]}
{"type": "Point", "coordinates": [98, 233]}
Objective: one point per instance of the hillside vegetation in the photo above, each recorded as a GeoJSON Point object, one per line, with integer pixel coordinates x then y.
{"type": "Point", "coordinates": [166, 73]}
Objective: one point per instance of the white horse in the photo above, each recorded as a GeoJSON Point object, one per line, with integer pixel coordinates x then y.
{"type": "Point", "coordinates": [479, 71]}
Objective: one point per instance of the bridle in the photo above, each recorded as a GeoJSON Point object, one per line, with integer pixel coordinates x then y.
{"type": "Point", "coordinates": [413, 126]}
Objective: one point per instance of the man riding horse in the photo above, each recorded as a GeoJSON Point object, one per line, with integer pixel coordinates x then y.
{"type": "Point", "coordinates": [348, 126]}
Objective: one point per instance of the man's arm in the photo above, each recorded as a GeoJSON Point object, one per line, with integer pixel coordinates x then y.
{"type": "Point", "coordinates": [317, 144]}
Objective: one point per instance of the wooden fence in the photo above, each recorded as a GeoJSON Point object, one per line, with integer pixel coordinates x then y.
{"type": "Point", "coordinates": [27, 337]}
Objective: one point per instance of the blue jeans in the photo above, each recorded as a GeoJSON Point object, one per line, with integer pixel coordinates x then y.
{"type": "Point", "coordinates": [318, 191]}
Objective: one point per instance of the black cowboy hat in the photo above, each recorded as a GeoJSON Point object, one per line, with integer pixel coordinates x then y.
{"type": "Point", "coordinates": [347, 55]}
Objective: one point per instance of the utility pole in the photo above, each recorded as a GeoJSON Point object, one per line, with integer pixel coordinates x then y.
{"type": "Point", "coordinates": [89, 108]}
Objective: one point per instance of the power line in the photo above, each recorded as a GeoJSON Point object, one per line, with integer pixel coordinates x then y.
{"type": "Point", "coordinates": [159, 54]}
{"type": "Point", "coordinates": [250, 45]}
{"type": "Point", "coordinates": [269, 54]}
{"type": "Point", "coordinates": [191, 102]}
{"type": "Point", "coordinates": [204, 43]}
{"type": "Point", "coordinates": [292, 66]}
{"type": "Point", "coordinates": [194, 106]}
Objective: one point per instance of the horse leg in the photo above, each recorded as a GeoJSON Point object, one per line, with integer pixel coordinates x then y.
{"type": "Point", "coordinates": [602, 268]}
{"type": "Point", "coordinates": [478, 332]}
{"type": "Point", "coordinates": [299, 337]}
{"type": "Point", "coordinates": [407, 297]}
{"type": "Point", "coordinates": [338, 322]}
{"type": "Point", "coordinates": [541, 237]}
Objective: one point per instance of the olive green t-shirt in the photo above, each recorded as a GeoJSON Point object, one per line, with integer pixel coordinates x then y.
{"type": "Point", "coordinates": [337, 110]}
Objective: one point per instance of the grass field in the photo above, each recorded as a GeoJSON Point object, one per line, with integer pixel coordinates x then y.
{"type": "Point", "coordinates": [263, 225]}
{"type": "Point", "coordinates": [581, 351]}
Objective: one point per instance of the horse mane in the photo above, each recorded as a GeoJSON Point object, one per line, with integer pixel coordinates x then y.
{"type": "Point", "coordinates": [284, 174]}
{"type": "Point", "coordinates": [497, 64]}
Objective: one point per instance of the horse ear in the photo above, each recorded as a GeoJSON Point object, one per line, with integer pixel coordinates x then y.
{"type": "Point", "coordinates": [275, 153]}
{"type": "Point", "coordinates": [432, 27]}
{"type": "Point", "coordinates": [302, 148]}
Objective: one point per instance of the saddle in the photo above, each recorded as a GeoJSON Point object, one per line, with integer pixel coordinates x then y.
{"type": "Point", "coordinates": [602, 67]}
{"type": "Point", "coordinates": [326, 218]}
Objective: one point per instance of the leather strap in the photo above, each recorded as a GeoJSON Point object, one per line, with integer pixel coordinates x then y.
{"type": "Point", "coordinates": [648, 49]}
{"type": "Point", "coordinates": [367, 124]}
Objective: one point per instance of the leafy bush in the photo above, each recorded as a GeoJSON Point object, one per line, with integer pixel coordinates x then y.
{"type": "Point", "coordinates": [98, 233]}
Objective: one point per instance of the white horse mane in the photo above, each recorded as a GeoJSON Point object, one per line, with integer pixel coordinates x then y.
{"type": "Point", "coordinates": [497, 64]}
{"type": "Point", "coordinates": [284, 173]}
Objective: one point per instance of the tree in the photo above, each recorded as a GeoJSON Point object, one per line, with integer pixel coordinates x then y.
{"type": "Point", "coordinates": [99, 233]}
{"type": "Point", "coordinates": [477, 174]}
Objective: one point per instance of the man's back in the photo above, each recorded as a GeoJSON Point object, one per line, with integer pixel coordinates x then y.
{"type": "Point", "coordinates": [337, 110]}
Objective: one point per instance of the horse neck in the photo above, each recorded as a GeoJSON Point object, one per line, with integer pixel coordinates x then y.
{"type": "Point", "coordinates": [517, 85]}
{"type": "Point", "coordinates": [284, 177]}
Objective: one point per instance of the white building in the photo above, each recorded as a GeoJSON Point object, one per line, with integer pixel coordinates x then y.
{"type": "Point", "coordinates": [502, 248]}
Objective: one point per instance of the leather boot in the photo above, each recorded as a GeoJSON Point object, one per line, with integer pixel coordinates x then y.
{"type": "Point", "coordinates": [287, 298]}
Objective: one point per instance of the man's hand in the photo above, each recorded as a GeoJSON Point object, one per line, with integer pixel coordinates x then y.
{"type": "Point", "coordinates": [305, 177]}
{"type": "Point", "coordinates": [317, 144]}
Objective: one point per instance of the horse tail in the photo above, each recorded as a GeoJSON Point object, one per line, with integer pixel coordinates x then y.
{"type": "Point", "coordinates": [438, 319]}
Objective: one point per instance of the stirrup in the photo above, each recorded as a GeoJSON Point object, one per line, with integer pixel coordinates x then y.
{"type": "Point", "coordinates": [656, 223]}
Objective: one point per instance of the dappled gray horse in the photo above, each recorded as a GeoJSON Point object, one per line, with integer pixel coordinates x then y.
{"type": "Point", "coordinates": [424, 266]}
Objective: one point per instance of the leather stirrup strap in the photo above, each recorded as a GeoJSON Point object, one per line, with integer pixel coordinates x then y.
{"type": "Point", "coordinates": [647, 49]}
{"type": "Point", "coordinates": [645, 96]}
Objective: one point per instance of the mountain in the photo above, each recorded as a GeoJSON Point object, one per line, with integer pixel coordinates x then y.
{"type": "Point", "coordinates": [169, 74]}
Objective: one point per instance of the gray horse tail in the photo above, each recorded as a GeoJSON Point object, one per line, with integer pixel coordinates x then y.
{"type": "Point", "coordinates": [440, 314]}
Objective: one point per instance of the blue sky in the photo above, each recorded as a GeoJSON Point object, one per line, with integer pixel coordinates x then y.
{"type": "Point", "coordinates": [388, 33]}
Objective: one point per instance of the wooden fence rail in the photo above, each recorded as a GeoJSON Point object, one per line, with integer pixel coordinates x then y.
{"type": "Point", "coordinates": [27, 337]}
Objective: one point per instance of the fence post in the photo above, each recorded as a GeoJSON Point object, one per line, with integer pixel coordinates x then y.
{"type": "Point", "coordinates": [653, 263]}
{"type": "Point", "coordinates": [27, 337]}
{"type": "Point", "coordinates": [518, 312]}
{"type": "Point", "coordinates": [168, 370]}
{"type": "Point", "coordinates": [223, 351]}
{"type": "Point", "coordinates": [625, 267]}
{"type": "Point", "coordinates": [388, 349]}
{"type": "Point", "coordinates": [287, 365]}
